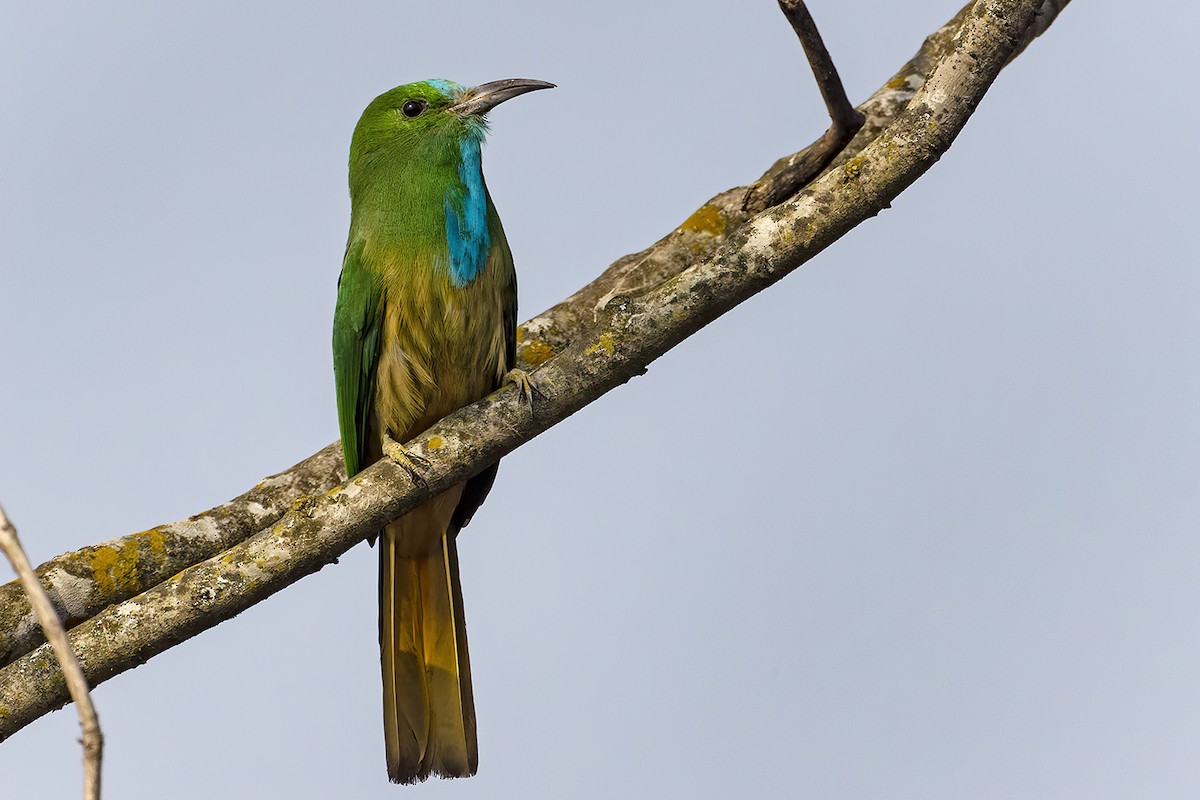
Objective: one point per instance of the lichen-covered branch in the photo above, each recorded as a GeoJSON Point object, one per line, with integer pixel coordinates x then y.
{"type": "Point", "coordinates": [601, 345]}
{"type": "Point", "coordinates": [84, 582]}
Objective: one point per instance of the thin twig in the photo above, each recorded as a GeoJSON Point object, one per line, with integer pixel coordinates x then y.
{"type": "Point", "coordinates": [846, 118]}
{"type": "Point", "coordinates": [93, 739]}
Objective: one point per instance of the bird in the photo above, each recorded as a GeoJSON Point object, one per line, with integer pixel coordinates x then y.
{"type": "Point", "coordinates": [425, 323]}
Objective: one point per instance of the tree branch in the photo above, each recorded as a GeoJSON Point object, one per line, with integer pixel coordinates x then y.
{"type": "Point", "coordinates": [601, 337]}
{"type": "Point", "coordinates": [84, 582]}
{"type": "Point", "coordinates": [93, 739]}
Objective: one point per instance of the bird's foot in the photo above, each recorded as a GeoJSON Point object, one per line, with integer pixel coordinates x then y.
{"type": "Point", "coordinates": [407, 459]}
{"type": "Point", "coordinates": [524, 385]}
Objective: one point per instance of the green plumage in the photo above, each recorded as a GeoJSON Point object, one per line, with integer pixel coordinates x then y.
{"type": "Point", "coordinates": [356, 328]}
{"type": "Point", "coordinates": [424, 324]}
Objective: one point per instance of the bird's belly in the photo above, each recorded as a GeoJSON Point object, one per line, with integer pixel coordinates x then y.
{"type": "Point", "coordinates": [427, 370]}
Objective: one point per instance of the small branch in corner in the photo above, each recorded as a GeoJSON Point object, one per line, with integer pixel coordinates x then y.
{"type": "Point", "coordinates": [846, 118]}
{"type": "Point", "coordinates": [93, 739]}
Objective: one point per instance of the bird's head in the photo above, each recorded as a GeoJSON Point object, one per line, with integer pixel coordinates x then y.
{"type": "Point", "coordinates": [436, 113]}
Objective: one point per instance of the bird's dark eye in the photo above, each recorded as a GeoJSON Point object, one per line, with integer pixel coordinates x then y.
{"type": "Point", "coordinates": [412, 108]}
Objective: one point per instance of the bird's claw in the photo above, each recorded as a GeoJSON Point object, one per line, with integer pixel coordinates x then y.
{"type": "Point", "coordinates": [523, 383]}
{"type": "Point", "coordinates": [407, 459]}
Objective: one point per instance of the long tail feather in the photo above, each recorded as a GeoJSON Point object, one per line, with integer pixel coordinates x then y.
{"type": "Point", "coordinates": [429, 713]}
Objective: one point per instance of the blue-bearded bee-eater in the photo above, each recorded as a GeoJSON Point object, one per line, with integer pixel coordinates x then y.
{"type": "Point", "coordinates": [425, 323]}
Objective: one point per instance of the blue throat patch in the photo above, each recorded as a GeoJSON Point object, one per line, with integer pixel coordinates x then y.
{"type": "Point", "coordinates": [466, 216]}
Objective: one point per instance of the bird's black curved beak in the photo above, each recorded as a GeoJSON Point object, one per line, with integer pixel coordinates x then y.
{"type": "Point", "coordinates": [486, 96]}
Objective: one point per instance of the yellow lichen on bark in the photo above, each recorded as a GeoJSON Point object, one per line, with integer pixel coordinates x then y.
{"type": "Point", "coordinates": [116, 568]}
{"type": "Point", "coordinates": [706, 219]}
{"type": "Point", "coordinates": [605, 344]}
{"type": "Point", "coordinates": [536, 353]}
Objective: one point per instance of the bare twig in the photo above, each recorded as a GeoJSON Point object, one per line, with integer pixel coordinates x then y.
{"type": "Point", "coordinates": [846, 118]}
{"type": "Point", "coordinates": [93, 739]}
{"type": "Point", "coordinates": [843, 114]}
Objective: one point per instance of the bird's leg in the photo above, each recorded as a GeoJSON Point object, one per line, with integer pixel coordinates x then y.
{"type": "Point", "coordinates": [524, 385]}
{"type": "Point", "coordinates": [406, 458]}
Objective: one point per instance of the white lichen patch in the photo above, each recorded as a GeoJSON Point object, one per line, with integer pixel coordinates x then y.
{"type": "Point", "coordinates": [538, 326]}
{"type": "Point", "coordinates": [71, 591]}
{"type": "Point", "coordinates": [128, 616]}
{"type": "Point", "coordinates": [763, 235]}
{"type": "Point", "coordinates": [890, 100]}
{"type": "Point", "coordinates": [282, 480]}
{"type": "Point", "coordinates": [251, 571]}
{"type": "Point", "coordinates": [257, 510]}
{"type": "Point", "coordinates": [777, 235]}
{"type": "Point", "coordinates": [204, 528]}
{"type": "Point", "coordinates": [24, 629]}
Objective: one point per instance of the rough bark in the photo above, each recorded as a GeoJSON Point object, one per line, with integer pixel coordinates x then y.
{"type": "Point", "coordinates": [603, 335]}
{"type": "Point", "coordinates": [84, 582]}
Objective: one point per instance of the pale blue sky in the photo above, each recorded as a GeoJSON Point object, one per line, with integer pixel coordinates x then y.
{"type": "Point", "coordinates": [920, 521]}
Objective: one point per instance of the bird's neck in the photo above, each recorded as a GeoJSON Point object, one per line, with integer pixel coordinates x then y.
{"type": "Point", "coordinates": [433, 200]}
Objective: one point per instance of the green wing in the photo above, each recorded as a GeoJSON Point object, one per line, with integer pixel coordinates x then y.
{"type": "Point", "coordinates": [510, 314]}
{"type": "Point", "coordinates": [357, 321]}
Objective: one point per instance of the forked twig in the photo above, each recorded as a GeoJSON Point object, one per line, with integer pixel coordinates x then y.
{"type": "Point", "coordinates": [846, 118]}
